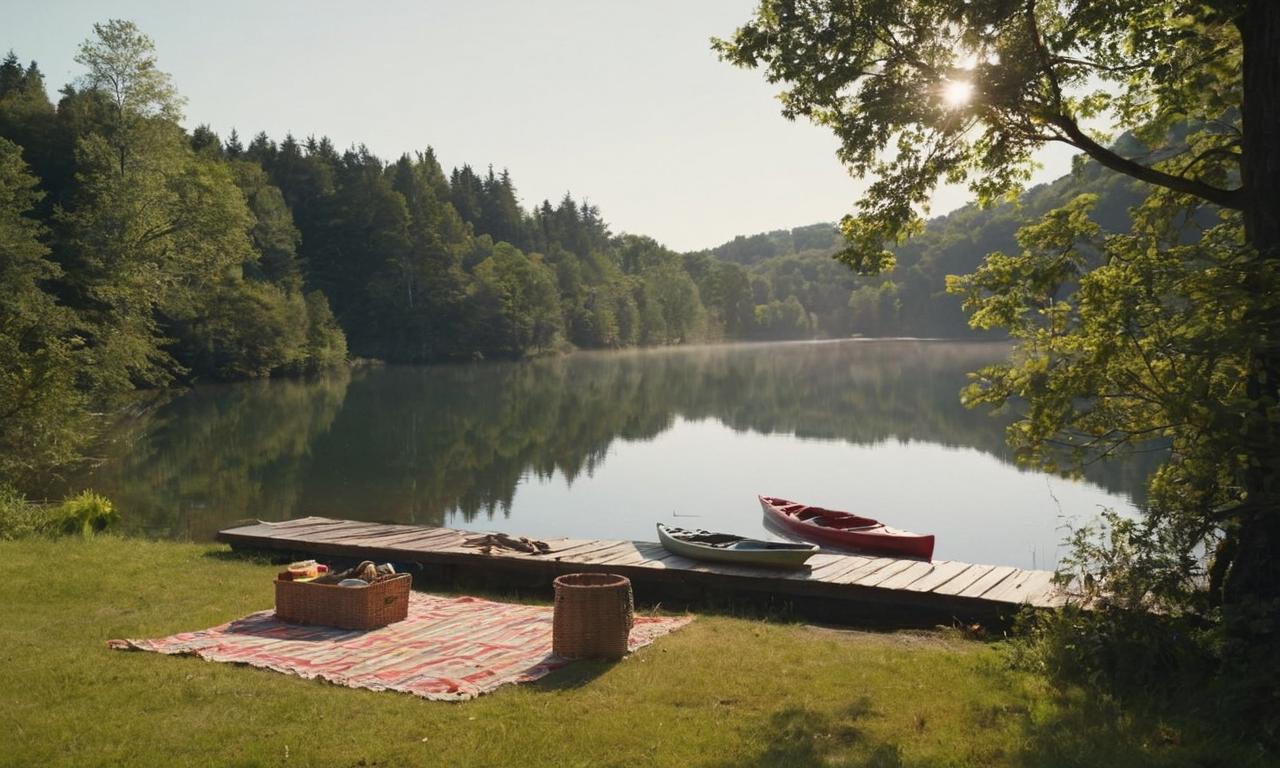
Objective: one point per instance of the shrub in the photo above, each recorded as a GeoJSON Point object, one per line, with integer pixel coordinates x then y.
{"type": "Point", "coordinates": [19, 518]}
{"type": "Point", "coordinates": [82, 515]}
{"type": "Point", "coordinates": [85, 514]}
{"type": "Point", "coordinates": [1143, 628]}
{"type": "Point", "coordinates": [1128, 654]}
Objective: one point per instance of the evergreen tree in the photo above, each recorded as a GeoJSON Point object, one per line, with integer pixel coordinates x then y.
{"type": "Point", "coordinates": [427, 284]}
{"type": "Point", "coordinates": [466, 192]}
{"type": "Point", "coordinates": [500, 214]}
{"type": "Point", "coordinates": [11, 73]}
{"type": "Point", "coordinates": [233, 149]}
{"type": "Point", "coordinates": [205, 142]}
{"type": "Point", "coordinates": [262, 150]}
{"type": "Point", "coordinates": [29, 119]}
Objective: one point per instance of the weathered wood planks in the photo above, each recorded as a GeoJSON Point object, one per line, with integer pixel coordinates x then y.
{"type": "Point", "coordinates": [858, 586]}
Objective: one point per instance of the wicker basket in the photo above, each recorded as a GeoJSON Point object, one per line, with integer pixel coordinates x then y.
{"type": "Point", "coordinates": [593, 616]}
{"type": "Point", "coordinates": [377, 605]}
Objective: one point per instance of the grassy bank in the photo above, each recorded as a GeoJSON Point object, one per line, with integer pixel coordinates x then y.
{"type": "Point", "coordinates": [722, 692]}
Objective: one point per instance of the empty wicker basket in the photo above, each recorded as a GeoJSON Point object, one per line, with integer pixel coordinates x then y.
{"type": "Point", "coordinates": [593, 616]}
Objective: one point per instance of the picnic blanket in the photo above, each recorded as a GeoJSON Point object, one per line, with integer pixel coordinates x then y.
{"type": "Point", "coordinates": [449, 648]}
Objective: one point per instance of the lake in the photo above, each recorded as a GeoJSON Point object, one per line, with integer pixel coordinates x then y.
{"type": "Point", "coordinates": [605, 444]}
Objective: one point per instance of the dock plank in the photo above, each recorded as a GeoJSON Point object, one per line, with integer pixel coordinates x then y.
{"type": "Point", "coordinates": [909, 576]}
{"type": "Point", "coordinates": [425, 540]}
{"type": "Point", "coordinates": [598, 556]}
{"type": "Point", "coordinates": [964, 580]}
{"type": "Point", "coordinates": [576, 554]}
{"type": "Point", "coordinates": [560, 546]}
{"type": "Point", "coordinates": [300, 522]}
{"type": "Point", "coordinates": [353, 534]}
{"type": "Point", "coordinates": [629, 554]}
{"type": "Point", "coordinates": [838, 568]}
{"type": "Point", "coordinates": [445, 542]}
{"type": "Point", "coordinates": [656, 556]}
{"type": "Point", "coordinates": [992, 579]}
{"type": "Point", "coordinates": [865, 569]}
{"type": "Point", "coordinates": [281, 531]}
{"type": "Point", "coordinates": [940, 574]}
{"type": "Point", "coordinates": [1011, 589]}
{"type": "Point", "coordinates": [885, 573]}
{"type": "Point", "coordinates": [1051, 595]}
{"type": "Point", "coordinates": [824, 561]}
{"type": "Point", "coordinates": [392, 540]}
{"type": "Point", "coordinates": [1031, 584]}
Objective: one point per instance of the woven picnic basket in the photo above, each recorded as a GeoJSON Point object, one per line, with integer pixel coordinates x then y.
{"type": "Point", "coordinates": [593, 616]}
{"type": "Point", "coordinates": [377, 605]}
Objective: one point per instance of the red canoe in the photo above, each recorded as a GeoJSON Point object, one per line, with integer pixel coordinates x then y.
{"type": "Point", "coordinates": [829, 526]}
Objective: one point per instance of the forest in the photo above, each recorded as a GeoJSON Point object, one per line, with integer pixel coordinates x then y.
{"type": "Point", "coordinates": [138, 254]}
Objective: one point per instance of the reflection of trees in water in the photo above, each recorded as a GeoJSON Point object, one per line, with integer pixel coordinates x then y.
{"type": "Point", "coordinates": [411, 444]}
{"type": "Point", "coordinates": [216, 454]}
{"type": "Point", "coordinates": [867, 393]}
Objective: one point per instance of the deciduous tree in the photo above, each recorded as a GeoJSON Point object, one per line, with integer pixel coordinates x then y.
{"type": "Point", "coordinates": [1168, 332]}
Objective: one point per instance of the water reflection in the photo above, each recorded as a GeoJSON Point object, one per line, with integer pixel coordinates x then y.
{"type": "Point", "coordinates": [591, 444]}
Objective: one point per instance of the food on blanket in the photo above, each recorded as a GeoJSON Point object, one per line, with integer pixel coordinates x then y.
{"type": "Point", "coordinates": [353, 583]}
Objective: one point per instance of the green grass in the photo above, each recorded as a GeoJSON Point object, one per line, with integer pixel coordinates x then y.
{"type": "Point", "coordinates": [722, 692]}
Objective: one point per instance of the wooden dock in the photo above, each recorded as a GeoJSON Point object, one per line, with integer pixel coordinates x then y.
{"type": "Point", "coordinates": [842, 588]}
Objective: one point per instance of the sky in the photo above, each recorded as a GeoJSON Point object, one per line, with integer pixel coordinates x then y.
{"type": "Point", "coordinates": [620, 103]}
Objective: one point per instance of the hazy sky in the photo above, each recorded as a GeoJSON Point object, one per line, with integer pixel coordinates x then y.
{"type": "Point", "coordinates": [622, 103]}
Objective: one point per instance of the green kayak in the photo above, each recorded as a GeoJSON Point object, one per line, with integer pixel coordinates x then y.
{"type": "Point", "coordinates": [739, 550]}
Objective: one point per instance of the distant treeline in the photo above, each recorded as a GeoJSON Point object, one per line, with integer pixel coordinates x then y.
{"type": "Point", "coordinates": [797, 288]}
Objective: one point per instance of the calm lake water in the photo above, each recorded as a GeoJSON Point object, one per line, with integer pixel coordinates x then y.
{"type": "Point", "coordinates": [606, 444]}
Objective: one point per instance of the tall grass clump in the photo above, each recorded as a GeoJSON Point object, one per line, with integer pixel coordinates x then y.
{"type": "Point", "coordinates": [83, 514]}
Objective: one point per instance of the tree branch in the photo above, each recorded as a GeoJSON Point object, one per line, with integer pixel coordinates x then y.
{"type": "Point", "coordinates": [1073, 135]}
{"type": "Point", "coordinates": [1225, 198]}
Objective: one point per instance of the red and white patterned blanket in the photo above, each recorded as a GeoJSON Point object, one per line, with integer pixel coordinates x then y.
{"type": "Point", "coordinates": [449, 648]}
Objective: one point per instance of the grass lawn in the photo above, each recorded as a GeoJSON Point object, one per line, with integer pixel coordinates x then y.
{"type": "Point", "coordinates": [721, 692]}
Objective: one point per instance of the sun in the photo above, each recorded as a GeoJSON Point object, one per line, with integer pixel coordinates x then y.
{"type": "Point", "coordinates": [957, 93]}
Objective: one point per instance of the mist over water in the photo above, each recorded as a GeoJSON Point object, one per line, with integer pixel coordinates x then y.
{"type": "Point", "coordinates": [605, 444]}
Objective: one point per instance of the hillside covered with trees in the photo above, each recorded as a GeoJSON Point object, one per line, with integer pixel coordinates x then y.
{"type": "Point", "coordinates": [799, 289]}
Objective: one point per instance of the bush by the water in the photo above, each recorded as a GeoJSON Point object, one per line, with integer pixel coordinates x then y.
{"type": "Point", "coordinates": [84, 514]}
{"type": "Point", "coordinates": [1144, 630]}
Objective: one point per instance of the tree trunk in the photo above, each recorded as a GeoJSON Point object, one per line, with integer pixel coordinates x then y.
{"type": "Point", "coordinates": [1251, 594]}
{"type": "Point", "coordinates": [1257, 566]}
